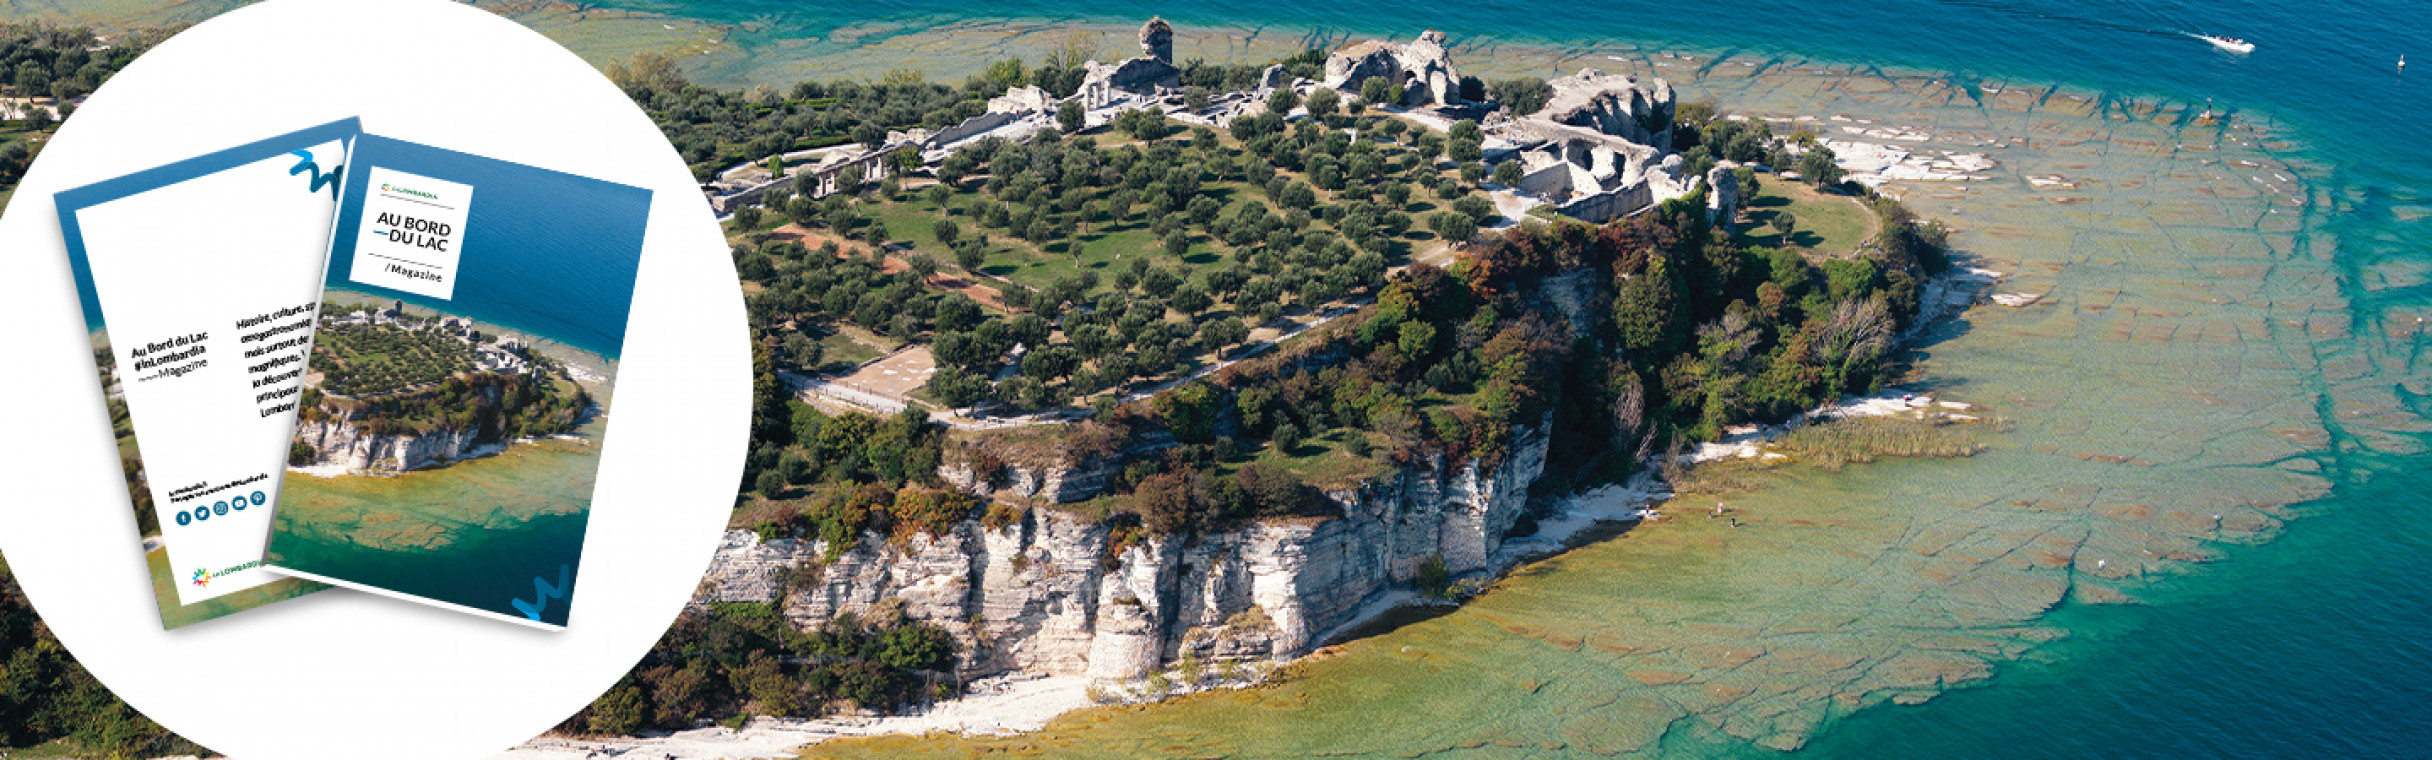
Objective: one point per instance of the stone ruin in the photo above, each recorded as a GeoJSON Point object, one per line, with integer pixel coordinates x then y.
{"type": "Point", "coordinates": [1152, 72]}
{"type": "Point", "coordinates": [1423, 68]}
{"type": "Point", "coordinates": [1613, 104]}
{"type": "Point", "coordinates": [1723, 194]}
{"type": "Point", "coordinates": [1022, 99]}
{"type": "Point", "coordinates": [1600, 149]}
{"type": "Point", "coordinates": [1157, 39]}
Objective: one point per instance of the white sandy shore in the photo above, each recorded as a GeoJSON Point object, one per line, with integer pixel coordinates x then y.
{"type": "Point", "coordinates": [1749, 441]}
{"type": "Point", "coordinates": [996, 706]}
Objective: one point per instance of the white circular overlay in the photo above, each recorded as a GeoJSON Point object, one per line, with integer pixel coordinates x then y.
{"type": "Point", "coordinates": [339, 673]}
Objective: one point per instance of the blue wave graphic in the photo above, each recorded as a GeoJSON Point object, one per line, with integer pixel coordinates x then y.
{"type": "Point", "coordinates": [542, 592]}
{"type": "Point", "coordinates": [319, 180]}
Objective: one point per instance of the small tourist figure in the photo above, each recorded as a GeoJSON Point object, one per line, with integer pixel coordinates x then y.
{"type": "Point", "coordinates": [1735, 522]}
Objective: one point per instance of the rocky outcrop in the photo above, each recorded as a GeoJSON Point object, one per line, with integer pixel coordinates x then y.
{"type": "Point", "coordinates": [1723, 194]}
{"type": "Point", "coordinates": [1274, 76]}
{"type": "Point", "coordinates": [337, 442]}
{"type": "Point", "coordinates": [1613, 104]}
{"type": "Point", "coordinates": [989, 469]}
{"type": "Point", "coordinates": [1050, 594]}
{"type": "Point", "coordinates": [1422, 68]}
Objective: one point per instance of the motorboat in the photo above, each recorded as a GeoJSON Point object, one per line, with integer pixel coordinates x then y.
{"type": "Point", "coordinates": [2231, 44]}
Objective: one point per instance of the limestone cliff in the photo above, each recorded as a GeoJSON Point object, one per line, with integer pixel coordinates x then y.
{"type": "Point", "coordinates": [1049, 595]}
{"type": "Point", "coordinates": [337, 442]}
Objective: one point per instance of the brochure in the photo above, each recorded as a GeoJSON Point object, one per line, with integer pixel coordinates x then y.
{"type": "Point", "coordinates": [468, 341]}
{"type": "Point", "coordinates": [198, 281]}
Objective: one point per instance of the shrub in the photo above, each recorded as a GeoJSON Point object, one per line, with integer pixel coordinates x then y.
{"type": "Point", "coordinates": [1433, 579]}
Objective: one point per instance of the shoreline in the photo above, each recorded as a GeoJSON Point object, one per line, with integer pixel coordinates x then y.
{"type": "Point", "coordinates": [590, 370]}
{"type": "Point", "coordinates": [1017, 703]}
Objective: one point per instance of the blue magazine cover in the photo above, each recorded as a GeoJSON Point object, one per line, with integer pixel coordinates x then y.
{"type": "Point", "coordinates": [197, 280]}
{"type": "Point", "coordinates": [449, 432]}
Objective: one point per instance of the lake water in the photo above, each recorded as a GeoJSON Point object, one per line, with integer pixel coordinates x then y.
{"type": "Point", "coordinates": [2197, 540]}
{"type": "Point", "coordinates": [2200, 539]}
{"type": "Point", "coordinates": [474, 533]}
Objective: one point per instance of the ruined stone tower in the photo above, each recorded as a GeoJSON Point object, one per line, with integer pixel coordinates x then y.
{"type": "Point", "coordinates": [1157, 39]}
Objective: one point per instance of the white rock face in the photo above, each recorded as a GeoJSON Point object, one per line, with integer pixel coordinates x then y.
{"type": "Point", "coordinates": [337, 442]}
{"type": "Point", "coordinates": [1048, 596]}
{"type": "Point", "coordinates": [1614, 104]}
{"type": "Point", "coordinates": [1422, 68]}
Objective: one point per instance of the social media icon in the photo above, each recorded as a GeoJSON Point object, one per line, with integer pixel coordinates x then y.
{"type": "Point", "coordinates": [184, 519]}
{"type": "Point", "coordinates": [257, 499]}
{"type": "Point", "coordinates": [220, 508]}
{"type": "Point", "coordinates": [202, 513]}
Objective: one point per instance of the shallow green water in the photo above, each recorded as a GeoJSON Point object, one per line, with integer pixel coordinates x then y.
{"type": "Point", "coordinates": [475, 533]}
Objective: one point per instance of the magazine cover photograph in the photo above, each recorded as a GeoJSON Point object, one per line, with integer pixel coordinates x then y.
{"type": "Point", "coordinates": [458, 394]}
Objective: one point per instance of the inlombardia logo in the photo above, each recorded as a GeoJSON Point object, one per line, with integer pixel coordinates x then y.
{"type": "Point", "coordinates": [202, 577]}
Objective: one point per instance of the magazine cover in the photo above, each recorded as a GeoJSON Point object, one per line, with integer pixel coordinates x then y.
{"type": "Point", "coordinates": [451, 422]}
{"type": "Point", "coordinates": [197, 281]}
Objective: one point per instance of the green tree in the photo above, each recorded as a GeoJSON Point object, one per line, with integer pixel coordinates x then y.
{"type": "Point", "coordinates": [1818, 167]}
{"type": "Point", "coordinates": [768, 398]}
{"type": "Point", "coordinates": [1508, 173]}
{"type": "Point", "coordinates": [1378, 91]}
{"type": "Point", "coordinates": [1453, 226]}
{"type": "Point", "coordinates": [1282, 101]}
{"type": "Point", "coordinates": [1190, 411]}
{"type": "Point", "coordinates": [916, 647]}
{"type": "Point", "coordinates": [1647, 313]}
{"type": "Point", "coordinates": [1287, 438]}
{"type": "Point", "coordinates": [1324, 102]}
{"type": "Point", "coordinates": [622, 711]}
{"type": "Point", "coordinates": [1071, 116]}
{"type": "Point", "coordinates": [956, 388]}
{"type": "Point", "coordinates": [1224, 333]}
{"type": "Point", "coordinates": [1191, 299]}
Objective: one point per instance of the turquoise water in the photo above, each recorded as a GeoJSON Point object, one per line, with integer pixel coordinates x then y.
{"type": "Point", "coordinates": [476, 533]}
{"type": "Point", "coordinates": [2311, 646]}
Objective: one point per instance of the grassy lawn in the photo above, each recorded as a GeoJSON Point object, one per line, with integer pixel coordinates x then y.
{"type": "Point", "coordinates": [1826, 225]}
{"type": "Point", "coordinates": [1327, 461]}
{"type": "Point", "coordinates": [1106, 245]}
{"type": "Point", "coordinates": [848, 347]}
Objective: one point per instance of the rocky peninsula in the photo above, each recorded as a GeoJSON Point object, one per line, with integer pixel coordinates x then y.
{"type": "Point", "coordinates": [1198, 533]}
{"type": "Point", "coordinates": [390, 392]}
